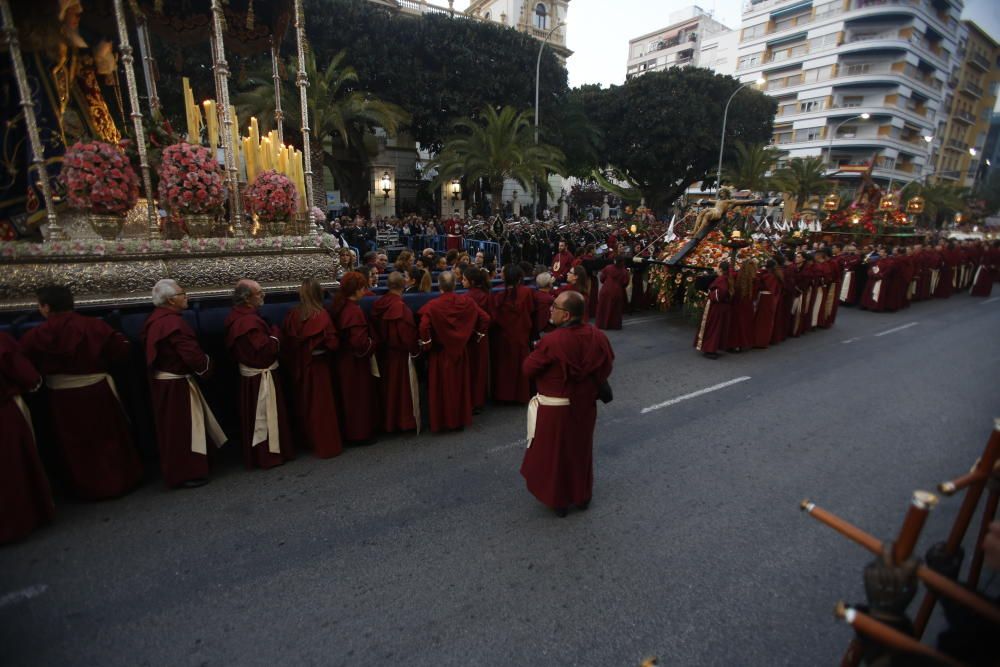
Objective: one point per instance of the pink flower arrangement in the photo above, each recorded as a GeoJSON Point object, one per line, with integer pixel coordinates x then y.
{"type": "Point", "coordinates": [98, 177]}
{"type": "Point", "coordinates": [191, 180]}
{"type": "Point", "coordinates": [272, 197]}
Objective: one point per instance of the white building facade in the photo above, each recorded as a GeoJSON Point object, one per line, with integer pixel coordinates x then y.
{"type": "Point", "coordinates": [677, 45]}
{"type": "Point", "coordinates": [535, 17]}
{"type": "Point", "coordinates": [828, 62]}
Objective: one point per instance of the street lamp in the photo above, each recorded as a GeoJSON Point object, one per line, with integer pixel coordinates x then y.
{"type": "Point", "coordinates": [929, 139]}
{"type": "Point", "coordinates": [456, 189]}
{"type": "Point", "coordinates": [725, 118]}
{"type": "Point", "coordinates": [538, 74]}
{"type": "Point", "coordinates": [386, 189]}
{"type": "Point", "coordinates": [829, 150]}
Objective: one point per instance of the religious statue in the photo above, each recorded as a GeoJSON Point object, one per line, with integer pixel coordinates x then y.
{"type": "Point", "coordinates": [723, 205]}
{"type": "Point", "coordinates": [65, 76]}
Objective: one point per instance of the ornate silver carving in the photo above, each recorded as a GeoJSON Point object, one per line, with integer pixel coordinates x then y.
{"type": "Point", "coordinates": [279, 115]}
{"type": "Point", "coordinates": [221, 68]}
{"type": "Point", "coordinates": [140, 134]}
{"type": "Point", "coordinates": [37, 155]}
{"type": "Point", "coordinates": [302, 81]}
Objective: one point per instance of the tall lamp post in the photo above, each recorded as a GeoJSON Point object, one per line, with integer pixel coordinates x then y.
{"type": "Point", "coordinates": [833, 135]}
{"type": "Point", "coordinates": [929, 140]}
{"type": "Point", "coordinates": [538, 73]}
{"type": "Point", "coordinates": [725, 118]}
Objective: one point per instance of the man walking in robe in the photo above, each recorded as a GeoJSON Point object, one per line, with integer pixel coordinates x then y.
{"type": "Point", "coordinates": [267, 439]}
{"type": "Point", "coordinates": [562, 262]}
{"type": "Point", "coordinates": [25, 496]}
{"type": "Point", "coordinates": [396, 340]}
{"type": "Point", "coordinates": [446, 326]}
{"type": "Point", "coordinates": [180, 412]}
{"type": "Point", "coordinates": [543, 299]}
{"type": "Point", "coordinates": [569, 366]}
{"type": "Point", "coordinates": [75, 354]}
{"type": "Point", "coordinates": [513, 322]}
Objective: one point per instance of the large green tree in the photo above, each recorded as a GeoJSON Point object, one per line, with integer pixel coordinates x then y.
{"type": "Point", "coordinates": [661, 130]}
{"type": "Point", "coordinates": [341, 120]}
{"type": "Point", "coordinates": [497, 147]}
{"type": "Point", "coordinates": [941, 200]}
{"type": "Point", "coordinates": [439, 68]}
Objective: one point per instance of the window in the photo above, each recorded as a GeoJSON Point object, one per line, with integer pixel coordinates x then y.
{"type": "Point", "coordinates": [541, 17]}
{"type": "Point", "coordinates": [746, 62]}
{"type": "Point", "coordinates": [753, 31]}
{"type": "Point", "coordinates": [828, 8]}
{"type": "Point", "coordinates": [847, 132]}
{"type": "Point", "coordinates": [853, 101]}
{"type": "Point", "coordinates": [815, 104]}
{"type": "Point", "coordinates": [810, 134]}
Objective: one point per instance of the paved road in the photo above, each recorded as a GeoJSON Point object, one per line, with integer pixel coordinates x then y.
{"type": "Point", "coordinates": [428, 550]}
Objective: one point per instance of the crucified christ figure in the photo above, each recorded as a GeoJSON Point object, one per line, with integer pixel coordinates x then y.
{"type": "Point", "coordinates": [722, 206]}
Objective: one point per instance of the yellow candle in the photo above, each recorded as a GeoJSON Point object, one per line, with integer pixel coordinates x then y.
{"type": "Point", "coordinates": [235, 129]}
{"type": "Point", "coordinates": [212, 123]}
{"type": "Point", "coordinates": [188, 102]}
{"type": "Point", "coordinates": [265, 154]}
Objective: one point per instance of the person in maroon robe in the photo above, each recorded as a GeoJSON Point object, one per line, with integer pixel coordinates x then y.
{"type": "Point", "coordinates": [543, 298]}
{"type": "Point", "coordinates": [25, 496]}
{"type": "Point", "coordinates": [355, 367]}
{"type": "Point", "coordinates": [562, 262]}
{"type": "Point", "coordinates": [180, 413]}
{"type": "Point", "coordinates": [309, 337]}
{"type": "Point", "coordinates": [446, 326]}
{"type": "Point", "coordinates": [946, 276]}
{"type": "Point", "coordinates": [255, 345]}
{"type": "Point", "coordinates": [767, 305]}
{"type": "Point", "coordinates": [513, 320]}
{"type": "Point", "coordinates": [395, 331]}
{"type": "Point", "coordinates": [711, 334]}
{"type": "Point", "coordinates": [785, 318]}
{"type": "Point", "coordinates": [828, 271]}
{"type": "Point", "coordinates": [75, 354]}
{"type": "Point", "coordinates": [615, 279]}
{"type": "Point", "coordinates": [805, 279]}
{"type": "Point", "coordinates": [594, 296]}
{"type": "Point", "coordinates": [477, 282]}
{"type": "Point", "coordinates": [578, 281]}
{"type": "Point", "coordinates": [740, 335]}
{"type": "Point", "coordinates": [880, 270]}
{"type": "Point", "coordinates": [849, 261]}
{"type": "Point", "coordinates": [568, 366]}
{"type": "Point", "coordinates": [989, 264]}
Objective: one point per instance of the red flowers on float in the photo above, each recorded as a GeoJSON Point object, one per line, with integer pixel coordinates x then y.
{"type": "Point", "coordinates": [99, 178]}
{"type": "Point", "coordinates": [191, 181]}
{"type": "Point", "coordinates": [272, 197]}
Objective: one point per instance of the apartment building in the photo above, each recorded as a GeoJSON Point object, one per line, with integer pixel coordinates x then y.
{"type": "Point", "coordinates": [679, 44]}
{"type": "Point", "coordinates": [971, 92]}
{"type": "Point", "coordinates": [535, 18]}
{"type": "Point", "coordinates": [856, 80]}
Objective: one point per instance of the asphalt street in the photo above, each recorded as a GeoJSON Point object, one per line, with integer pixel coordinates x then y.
{"type": "Point", "coordinates": [428, 550]}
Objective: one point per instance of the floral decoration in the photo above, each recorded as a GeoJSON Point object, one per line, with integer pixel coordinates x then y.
{"type": "Point", "coordinates": [186, 246]}
{"type": "Point", "coordinates": [99, 178]}
{"type": "Point", "coordinates": [191, 181]}
{"type": "Point", "coordinates": [272, 197]}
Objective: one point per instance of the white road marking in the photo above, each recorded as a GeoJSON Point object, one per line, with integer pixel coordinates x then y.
{"type": "Point", "coordinates": [23, 594]}
{"type": "Point", "coordinates": [695, 394]}
{"type": "Point", "coordinates": [905, 326]}
{"type": "Point", "coordinates": [850, 340]}
{"type": "Point", "coordinates": [983, 303]}
{"type": "Point", "coordinates": [642, 321]}
{"type": "Point", "coordinates": [519, 443]}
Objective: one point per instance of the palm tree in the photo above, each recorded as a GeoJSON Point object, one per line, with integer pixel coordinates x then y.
{"type": "Point", "coordinates": [753, 164]}
{"type": "Point", "coordinates": [500, 146]}
{"type": "Point", "coordinates": [940, 199]}
{"type": "Point", "coordinates": [802, 178]}
{"type": "Point", "coordinates": [342, 120]}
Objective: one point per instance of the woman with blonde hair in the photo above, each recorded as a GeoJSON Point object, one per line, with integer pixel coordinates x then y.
{"type": "Point", "coordinates": [309, 338]}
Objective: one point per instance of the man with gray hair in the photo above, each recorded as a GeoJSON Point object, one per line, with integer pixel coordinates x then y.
{"type": "Point", "coordinates": [267, 440]}
{"type": "Point", "coordinates": [543, 302]}
{"type": "Point", "coordinates": [446, 326]}
{"type": "Point", "coordinates": [180, 412]}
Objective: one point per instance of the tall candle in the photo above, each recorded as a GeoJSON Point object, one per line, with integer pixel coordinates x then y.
{"type": "Point", "coordinates": [212, 123]}
{"type": "Point", "coordinates": [188, 115]}
{"type": "Point", "coordinates": [235, 130]}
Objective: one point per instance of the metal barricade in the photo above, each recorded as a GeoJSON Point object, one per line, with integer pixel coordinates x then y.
{"type": "Point", "coordinates": [490, 249]}
{"type": "Point", "coordinates": [417, 244]}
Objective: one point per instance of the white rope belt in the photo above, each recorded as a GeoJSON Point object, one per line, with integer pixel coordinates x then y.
{"type": "Point", "coordinates": [414, 391]}
{"type": "Point", "coordinates": [202, 416]}
{"type": "Point", "coordinates": [23, 407]}
{"type": "Point", "coordinates": [61, 381]}
{"type": "Point", "coordinates": [845, 287]}
{"type": "Point", "coordinates": [536, 400]}
{"type": "Point", "coordinates": [265, 425]}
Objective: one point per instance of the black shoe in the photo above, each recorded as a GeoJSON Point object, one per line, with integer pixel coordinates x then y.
{"type": "Point", "coordinates": [584, 506]}
{"type": "Point", "coordinates": [195, 483]}
{"type": "Point", "coordinates": [711, 355]}
{"type": "Point", "coordinates": [561, 512]}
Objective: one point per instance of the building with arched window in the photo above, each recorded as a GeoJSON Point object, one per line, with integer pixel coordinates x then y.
{"type": "Point", "coordinates": [535, 17]}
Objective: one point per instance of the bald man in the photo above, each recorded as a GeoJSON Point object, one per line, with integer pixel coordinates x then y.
{"type": "Point", "coordinates": [569, 366]}
{"type": "Point", "coordinates": [267, 439]}
{"type": "Point", "coordinates": [447, 324]}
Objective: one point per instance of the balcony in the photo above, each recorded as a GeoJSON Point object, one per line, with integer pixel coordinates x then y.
{"type": "Point", "coordinates": [972, 89]}
{"type": "Point", "coordinates": [854, 69]}
{"type": "Point", "coordinates": [965, 117]}
{"type": "Point", "coordinates": [957, 145]}
{"type": "Point", "coordinates": [980, 61]}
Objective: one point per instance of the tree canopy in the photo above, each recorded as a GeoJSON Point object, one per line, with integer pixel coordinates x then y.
{"type": "Point", "coordinates": [661, 130]}
{"type": "Point", "coordinates": [439, 68]}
